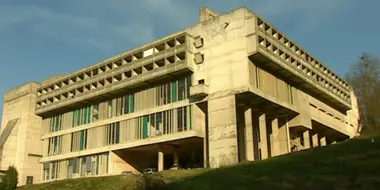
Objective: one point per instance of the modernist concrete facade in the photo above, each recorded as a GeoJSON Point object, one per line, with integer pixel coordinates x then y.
{"type": "Point", "coordinates": [228, 89]}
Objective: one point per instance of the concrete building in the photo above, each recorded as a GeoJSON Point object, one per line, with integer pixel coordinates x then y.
{"type": "Point", "coordinates": [228, 89]}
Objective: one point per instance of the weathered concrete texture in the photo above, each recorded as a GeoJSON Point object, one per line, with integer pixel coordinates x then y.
{"type": "Point", "coordinates": [276, 144]}
{"type": "Point", "coordinates": [249, 148]}
{"type": "Point", "coordinates": [222, 132]}
{"type": "Point", "coordinates": [23, 145]}
{"type": "Point", "coordinates": [306, 139]}
{"type": "Point", "coordinates": [263, 136]}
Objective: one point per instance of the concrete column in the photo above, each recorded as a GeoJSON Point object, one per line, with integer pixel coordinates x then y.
{"type": "Point", "coordinates": [315, 140]}
{"type": "Point", "coordinates": [176, 158]}
{"type": "Point", "coordinates": [283, 139]}
{"type": "Point", "coordinates": [323, 141]}
{"type": "Point", "coordinates": [263, 136]}
{"type": "Point", "coordinates": [222, 132]}
{"type": "Point", "coordinates": [306, 139]}
{"type": "Point", "coordinates": [276, 146]}
{"type": "Point", "coordinates": [160, 165]}
{"type": "Point", "coordinates": [248, 135]}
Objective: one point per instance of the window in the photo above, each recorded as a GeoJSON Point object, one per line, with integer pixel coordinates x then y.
{"type": "Point", "coordinates": [29, 180]}
{"type": "Point", "coordinates": [181, 89]}
{"type": "Point", "coordinates": [95, 112]}
{"type": "Point", "coordinates": [55, 145]}
{"type": "Point", "coordinates": [173, 91]}
{"type": "Point", "coordinates": [158, 123]}
{"type": "Point", "coordinates": [46, 170]}
{"type": "Point", "coordinates": [88, 165]}
{"type": "Point", "coordinates": [113, 133]}
{"type": "Point", "coordinates": [56, 123]}
{"type": "Point", "coordinates": [83, 115]}
{"type": "Point", "coordinates": [79, 141]}
{"type": "Point", "coordinates": [109, 109]}
{"type": "Point", "coordinates": [145, 121]}
{"type": "Point", "coordinates": [129, 103]}
{"type": "Point", "coordinates": [54, 170]}
{"type": "Point", "coordinates": [180, 119]}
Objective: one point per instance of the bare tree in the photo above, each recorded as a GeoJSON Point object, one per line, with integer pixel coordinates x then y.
{"type": "Point", "coordinates": [364, 76]}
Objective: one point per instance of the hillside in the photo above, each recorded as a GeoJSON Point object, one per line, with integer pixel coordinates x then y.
{"type": "Point", "coordinates": [354, 164]}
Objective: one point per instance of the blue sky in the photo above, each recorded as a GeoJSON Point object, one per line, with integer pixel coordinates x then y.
{"type": "Point", "coordinates": [41, 38]}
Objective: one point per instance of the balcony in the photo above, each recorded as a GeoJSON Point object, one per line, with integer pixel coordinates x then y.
{"type": "Point", "coordinates": [199, 90]}
{"type": "Point", "coordinates": [165, 59]}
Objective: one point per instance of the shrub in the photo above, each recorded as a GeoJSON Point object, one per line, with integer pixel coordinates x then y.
{"type": "Point", "coordinates": [10, 179]}
{"type": "Point", "coordinates": [151, 182]}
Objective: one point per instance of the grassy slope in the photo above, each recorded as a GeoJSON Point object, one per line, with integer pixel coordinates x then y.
{"type": "Point", "coordinates": [354, 164]}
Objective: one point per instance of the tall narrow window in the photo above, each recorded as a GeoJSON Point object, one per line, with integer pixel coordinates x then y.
{"type": "Point", "coordinates": [56, 123]}
{"type": "Point", "coordinates": [117, 132]}
{"type": "Point", "coordinates": [85, 116]}
{"type": "Point", "coordinates": [126, 104]}
{"type": "Point", "coordinates": [179, 119]}
{"type": "Point", "coordinates": [159, 123]}
{"type": "Point", "coordinates": [95, 112]}
{"type": "Point", "coordinates": [109, 109]}
{"type": "Point", "coordinates": [55, 144]}
{"type": "Point", "coordinates": [145, 126]}
{"type": "Point", "coordinates": [184, 118]}
{"type": "Point", "coordinates": [181, 89]}
{"type": "Point", "coordinates": [174, 91]}
{"type": "Point", "coordinates": [188, 84]}
{"type": "Point", "coordinates": [113, 133]}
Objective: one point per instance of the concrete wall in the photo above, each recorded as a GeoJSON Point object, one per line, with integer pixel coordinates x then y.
{"type": "Point", "coordinates": [23, 148]}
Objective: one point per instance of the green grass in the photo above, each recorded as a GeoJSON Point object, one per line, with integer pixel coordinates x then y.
{"type": "Point", "coordinates": [354, 164]}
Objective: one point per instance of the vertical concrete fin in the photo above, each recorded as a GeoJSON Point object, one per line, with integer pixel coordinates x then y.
{"type": "Point", "coordinates": [206, 14]}
{"type": "Point", "coordinates": [7, 131]}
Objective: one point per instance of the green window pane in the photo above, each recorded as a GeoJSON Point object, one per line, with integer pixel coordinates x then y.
{"type": "Point", "coordinates": [126, 104]}
{"type": "Point", "coordinates": [78, 117]}
{"type": "Point", "coordinates": [52, 124]}
{"type": "Point", "coordinates": [117, 133]}
{"type": "Point", "coordinates": [145, 127]}
{"type": "Point", "coordinates": [174, 91]}
{"type": "Point", "coordinates": [85, 115]}
{"type": "Point", "coordinates": [56, 123]}
{"type": "Point", "coordinates": [60, 122]}
{"type": "Point", "coordinates": [90, 114]}
{"type": "Point", "coordinates": [81, 140]}
{"type": "Point", "coordinates": [132, 103]}
{"type": "Point", "coordinates": [73, 119]}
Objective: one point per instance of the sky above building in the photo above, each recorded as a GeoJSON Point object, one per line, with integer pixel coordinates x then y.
{"type": "Point", "coordinates": [42, 38]}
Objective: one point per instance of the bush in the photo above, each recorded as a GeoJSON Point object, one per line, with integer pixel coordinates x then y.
{"type": "Point", "coordinates": [151, 182]}
{"type": "Point", "coordinates": [10, 179]}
